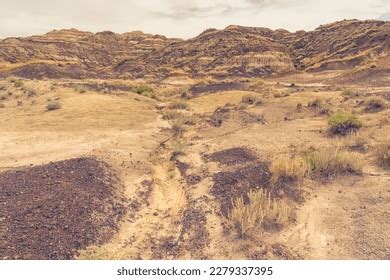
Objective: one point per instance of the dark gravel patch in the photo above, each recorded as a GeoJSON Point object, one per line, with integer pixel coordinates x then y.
{"type": "Point", "coordinates": [229, 185]}
{"type": "Point", "coordinates": [53, 210]}
{"type": "Point", "coordinates": [233, 156]}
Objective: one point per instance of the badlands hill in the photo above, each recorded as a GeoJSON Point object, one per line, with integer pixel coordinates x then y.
{"type": "Point", "coordinates": [233, 51]}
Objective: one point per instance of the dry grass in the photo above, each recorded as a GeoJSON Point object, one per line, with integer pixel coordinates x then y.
{"type": "Point", "coordinates": [374, 105]}
{"type": "Point", "coordinates": [171, 115]}
{"type": "Point", "coordinates": [178, 106]}
{"type": "Point", "coordinates": [252, 100]}
{"type": "Point", "coordinates": [53, 105]}
{"type": "Point", "coordinates": [383, 155]}
{"type": "Point", "coordinates": [334, 161]}
{"type": "Point", "coordinates": [245, 217]}
{"type": "Point", "coordinates": [287, 169]}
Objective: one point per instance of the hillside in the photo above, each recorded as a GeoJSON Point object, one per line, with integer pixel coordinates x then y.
{"type": "Point", "coordinates": [233, 51]}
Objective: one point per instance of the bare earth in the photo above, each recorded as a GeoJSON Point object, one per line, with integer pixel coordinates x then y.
{"type": "Point", "coordinates": [171, 209]}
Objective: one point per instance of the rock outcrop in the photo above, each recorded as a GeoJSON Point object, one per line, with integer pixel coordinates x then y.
{"type": "Point", "coordinates": [233, 51]}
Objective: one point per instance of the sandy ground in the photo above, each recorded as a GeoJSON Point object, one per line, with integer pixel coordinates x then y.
{"type": "Point", "coordinates": [172, 213]}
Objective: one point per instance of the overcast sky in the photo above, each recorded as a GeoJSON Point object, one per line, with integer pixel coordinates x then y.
{"type": "Point", "coordinates": [178, 18]}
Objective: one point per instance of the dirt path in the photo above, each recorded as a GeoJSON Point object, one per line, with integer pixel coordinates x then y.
{"type": "Point", "coordinates": [348, 219]}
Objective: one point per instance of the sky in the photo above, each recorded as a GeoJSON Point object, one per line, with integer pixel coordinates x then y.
{"type": "Point", "coordinates": [179, 18]}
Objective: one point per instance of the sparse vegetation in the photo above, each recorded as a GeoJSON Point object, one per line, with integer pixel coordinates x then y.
{"type": "Point", "coordinates": [171, 114]}
{"type": "Point", "coordinates": [334, 161]}
{"type": "Point", "coordinates": [260, 208]}
{"type": "Point", "coordinates": [178, 106]}
{"type": "Point", "coordinates": [252, 100]}
{"type": "Point", "coordinates": [375, 105]}
{"type": "Point", "coordinates": [144, 90]}
{"type": "Point", "coordinates": [177, 126]}
{"type": "Point", "coordinates": [341, 123]}
{"type": "Point", "coordinates": [383, 155]}
{"type": "Point", "coordinates": [18, 83]}
{"type": "Point", "coordinates": [2, 105]}
{"type": "Point", "coordinates": [286, 169]}
{"type": "Point", "coordinates": [53, 105]}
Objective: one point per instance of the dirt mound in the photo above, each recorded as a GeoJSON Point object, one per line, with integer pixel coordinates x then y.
{"type": "Point", "coordinates": [233, 156]}
{"type": "Point", "coordinates": [53, 210]}
{"type": "Point", "coordinates": [231, 184]}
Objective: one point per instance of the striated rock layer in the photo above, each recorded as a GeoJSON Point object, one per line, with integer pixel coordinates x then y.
{"type": "Point", "coordinates": [233, 51]}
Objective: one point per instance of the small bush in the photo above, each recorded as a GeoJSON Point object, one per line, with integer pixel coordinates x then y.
{"type": "Point", "coordinates": [143, 88]}
{"type": "Point", "coordinates": [177, 126]}
{"type": "Point", "coordinates": [171, 114]}
{"type": "Point", "coordinates": [178, 106]}
{"type": "Point", "coordinates": [287, 169]}
{"type": "Point", "coordinates": [53, 105]}
{"type": "Point", "coordinates": [341, 123]}
{"type": "Point", "coordinates": [316, 103]}
{"type": "Point", "coordinates": [260, 208]}
{"type": "Point", "coordinates": [185, 92]}
{"type": "Point", "coordinates": [252, 100]}
{"type": "Point", "coordinates": [383, 155]}
{"type": "Point", "coordinates": [375, 105]}
{"type": "Point", "coordinates": [18, 83]}
{"type": "Point", "coordinates": [190, 120]}
{"type": "Point", "coordinates": [334, 161]}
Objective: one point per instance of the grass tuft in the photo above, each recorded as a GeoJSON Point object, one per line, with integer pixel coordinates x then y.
{"type": "Point", "coordinates": [53, 105]}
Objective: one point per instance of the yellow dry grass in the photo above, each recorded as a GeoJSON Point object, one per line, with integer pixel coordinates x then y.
{"type": "Point", "coordinates": [294, 169]}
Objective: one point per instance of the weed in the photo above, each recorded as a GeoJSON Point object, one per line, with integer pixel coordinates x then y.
{"type": "Point", "coordinates": [53, 105]}
{"type": "Point", "coordinates": [260, 208]}
{"type": "Point", "coordinates": [375, 105]}
{"type": "Point", "coordinates": [178, 106]}
{"type": "Point", "coordinates": [334, 161]}
{"type": "Point", "coordinates": [142, 89]}
{"type": "Point", "coordinates": [286, 169]}
{"type": "Point", "coordinates": [252, 100]}
{"type": "Point", "coordinates": [341, 123]}
{"type": "Point", "coordinates": [383, 154]}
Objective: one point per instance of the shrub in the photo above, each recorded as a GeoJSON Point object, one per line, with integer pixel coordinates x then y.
{"type": "Point", "coordinates": [177, 126]}
{"type": "Point", "coordinates": [383, 155]}
{"type": "Point", "coordinates": [171, 114]}
{"type": "Point", "coordinates": [341, 123]}
{"type": "Point", "coordinates": [53, 105]}
{"type": "Point", "coordinates": [178, 105]}
{"type": "Point", "coordinates": [374, 105]}
{"type": "Point", "coordinates": [288, 169]}
{"type": "Point", "coordinates": [316, 103]}
{"type": "Point", "coordinates": [142, 88]}
{"type": "Point", "coordinates": [18, 83]}
{"type": "Point", "coordinates": [252, 100]}
{"type": "Point", "coordinates": [185, 92]}
{"type": "Point", "coordinates": [190, 120]}
{"type": "Point", "coordinates": [260, 208]}
{"type": "Point", "coordinates": [334, 161]}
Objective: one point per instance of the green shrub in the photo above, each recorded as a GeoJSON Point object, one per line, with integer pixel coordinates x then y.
{"type": "Point", "coordinates": [341, 123]}
{"type": "Point", "coordinates": [143, 88]}
{"type": "Point", "coordinates": [53, 105]}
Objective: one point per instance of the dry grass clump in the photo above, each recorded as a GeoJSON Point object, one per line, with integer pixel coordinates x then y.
{"type": "Point", "coordinates": [178, 106]}
{"type": "Point", "coordinates": [53, 105]}
{"type": "Point", "coordinates": [334, 161]}
{"type": "Point", "coordinates": [375, 105]}
{"type": "Point", "coordinates": [383, 155]}
{"type": "Point", "coordinates": [286, 169]}
{"type": "Point", "coordinates": [171, 114]}
{"type": "Point", "coordinates": [252, 100]}
{"type": "Point", "coordinates": [177, 126]}
{"type": "Point", "coordinates": [341, 123]}
{"type": "Point", "coordinates": [261, 208]}
{"type": "Point", "coordinates": [2, 105]}
{"type": "Point", "coordinates": [18, 83]}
